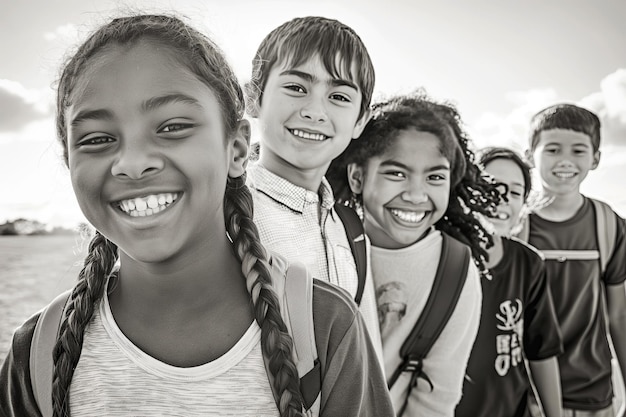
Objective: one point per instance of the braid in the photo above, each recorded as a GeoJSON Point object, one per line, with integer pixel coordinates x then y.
{"type": "Point", "coordinates": [276, 342]}
{"type": "Point", "coordinates": [86, 294]}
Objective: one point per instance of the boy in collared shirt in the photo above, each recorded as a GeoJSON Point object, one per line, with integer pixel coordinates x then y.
{"type": "Point", "coordinates": [311, 87]}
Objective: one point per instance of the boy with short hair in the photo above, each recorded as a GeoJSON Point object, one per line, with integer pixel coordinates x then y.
{"type": "Point", "coordinates": [564, 147]}
{"type": "Point", "coordinates": [311, 87]}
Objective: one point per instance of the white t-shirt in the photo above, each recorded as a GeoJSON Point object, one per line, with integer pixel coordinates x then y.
{"type": "Point", "coordinates": [403, 280]}
{"type": "Point", "coordinates": [115, 378]}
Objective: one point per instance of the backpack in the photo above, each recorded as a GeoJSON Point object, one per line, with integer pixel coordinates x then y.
{"type": "Point", "coordinates": [296, 306]}
{"type": "Point", "coordinates": [356, 238]}
{"type": "Point", "coordinates": [449, 281]}
{"type": "Point", "coordinates": [606, 232]}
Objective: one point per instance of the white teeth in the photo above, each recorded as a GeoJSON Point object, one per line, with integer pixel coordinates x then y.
{"type": "Point", "coordinates": [310, 136]}
{"type": "Point", "coordinates": [502, 216]}
{"type": "Point", "coordinates": [148, 205]}
{"type": "Point", "coordinates": [408, 216]}
{"type": "Point", "coordinates": [564, 174]}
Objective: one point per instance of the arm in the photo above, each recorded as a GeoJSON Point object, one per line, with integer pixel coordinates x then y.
{"type": "Point", "coordinates": [369, 309]}
{"type": "Point", "coordinates": [545, 375]}
{"type": "Point", "coordinates": [616, 303]}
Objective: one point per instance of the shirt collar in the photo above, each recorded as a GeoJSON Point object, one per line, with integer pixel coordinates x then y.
{"type": "Point", "coordinates": [288, 193]}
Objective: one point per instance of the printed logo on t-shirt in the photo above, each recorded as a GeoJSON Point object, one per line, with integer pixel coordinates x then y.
{"type": "Point", "coordinates": [508, 342]}
{"type": "Point", "coordinates": [391, 300]}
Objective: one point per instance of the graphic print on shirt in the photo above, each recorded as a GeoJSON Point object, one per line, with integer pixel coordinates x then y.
{"type": "Point", "coordinates": [392, 301]}
{"type": "Point", "coordinates": [508, 343]}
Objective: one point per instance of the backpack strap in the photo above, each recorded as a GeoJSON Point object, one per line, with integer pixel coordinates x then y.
{"type": "Point", "coordinates": [606, 231]}
{"type": "Point", "coordinates": [41, 347]}
{"type": "Point", "coordinates": [356, 238]}
{"type": "Point", "coordinates": [447, 286]}
{"type": "Point", "coordinates": [294, 286]}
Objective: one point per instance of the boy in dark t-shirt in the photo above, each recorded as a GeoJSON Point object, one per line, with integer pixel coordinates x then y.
{"type": "Point", "coordinates": [564, 147]}
{"type": "Point", "coordinates": [517, 317]}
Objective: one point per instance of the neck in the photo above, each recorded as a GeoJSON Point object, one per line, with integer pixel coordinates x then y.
{"type": "Point", "coordinates": [309, 179]}
{"type": "Point", "coordinates": [203, 279]}
{"type": "Point", "coordinates": [562, 207]}
{"type": "Point", "coordinates": [495, 252]}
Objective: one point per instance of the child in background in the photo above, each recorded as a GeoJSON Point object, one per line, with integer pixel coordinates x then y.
{"type": "Point", "coordinates": [564, 147]}
{"type": "Point", "coordinates": [150, 119]}
{"type": "Point", "coordinates": [311, 86]}
{"type": "Point", "coordinates": [517, 318]}
{"type": "Point", "coordinates": [414, 178]}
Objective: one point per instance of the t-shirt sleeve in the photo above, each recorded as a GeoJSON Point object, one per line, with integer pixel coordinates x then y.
{"type": "Point", "coordinates": [615, 273]}
{"type": "Point", "coordinates": [16, 394]}
{"type": "Point", "coordinates": [352, 379]}
{"type": "Point", "coordinates": [542, 337]}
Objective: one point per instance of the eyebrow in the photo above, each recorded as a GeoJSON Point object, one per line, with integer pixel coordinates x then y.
{"type": "Point", "coordinates": [335, 82]}
{"type": "Point", "coordinates": [391, 162]}
{"type": "Point", "coordinates": [146, 106]}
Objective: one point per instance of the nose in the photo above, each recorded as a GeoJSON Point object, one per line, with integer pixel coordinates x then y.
{"type": "Point", "coordinates": [136, 159]}
{"type": "Point", "coordinates": [414, 193]}
{"type": "Point", "coordinates": [314, 109]}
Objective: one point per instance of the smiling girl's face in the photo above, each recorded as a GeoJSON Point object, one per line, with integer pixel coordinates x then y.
{"type": "Point", "coordinates": [148, 153]}
{"type": "Point", "coordinates": [507, 172]}
{"type": "Point", "coordinates": [405, 190]}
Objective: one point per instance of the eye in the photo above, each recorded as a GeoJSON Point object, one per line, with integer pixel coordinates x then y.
{"type": "Point", "coordinates": [395, 175]}
{"type": "Point", "coordinates": [340, 97]}
{"type": "Point", "coordinates": [94, 141]}
{"type": "Point", "coordinates": [175, 127]}
{"type": "Point", "coordinates": [437, 178]}
{"type": "Point", "coordinates": [295, 88]}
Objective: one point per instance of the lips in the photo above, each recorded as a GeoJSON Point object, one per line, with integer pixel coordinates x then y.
{"type": "Point", "coordinates": [408, 216]}
{"type": "Point", "coordinates": [565, 175]}
{"type": "Point", "coordinates": [308, 135]}
{"type": "Point", "coordinates": [147, 205]}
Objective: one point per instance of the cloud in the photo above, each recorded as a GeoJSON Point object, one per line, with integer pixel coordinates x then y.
{"type": "Point", "coordinates": [19, 106]}
{"type": "Point", "coordinates": [62, 33]}
{"type": "Point", "coordinates": [609, 103]}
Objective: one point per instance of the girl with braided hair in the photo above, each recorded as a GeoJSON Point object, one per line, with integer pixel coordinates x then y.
{"type": "Point", "coordinates": [177, 309]}
{"type": "Point", "coordinates": [412, 176]}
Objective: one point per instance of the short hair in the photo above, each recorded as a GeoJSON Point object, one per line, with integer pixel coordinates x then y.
{"type": "Point", "coordinates": [565, 116]}
{"type": "Point", "coordinates": [492, 153]}
{"type": "Point", "coordinates": [294, 42]}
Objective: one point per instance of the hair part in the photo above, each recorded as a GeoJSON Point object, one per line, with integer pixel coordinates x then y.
{"type": "Point", "coordinates": [293, 43]}
{"type": "Point", "coordinates": [565, 116]}
{"type": "Point", "coordinates": [470, 192]}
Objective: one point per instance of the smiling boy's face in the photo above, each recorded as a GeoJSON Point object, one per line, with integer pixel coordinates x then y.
{"type": "Point", "coordinates": [307, 118]}
{"type": "Point", "coordinates": [563, 159]}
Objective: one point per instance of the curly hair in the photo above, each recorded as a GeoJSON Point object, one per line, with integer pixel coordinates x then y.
{"type": "Point", "coordinates": [208, 63]}
{"type": "Point", "coordinates": [486, 155]}
{"type": "Point", "coordinates": [470, 192]}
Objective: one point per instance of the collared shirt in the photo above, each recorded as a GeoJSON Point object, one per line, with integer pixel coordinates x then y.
{"type": "Point", "coordinates": [302, 226]}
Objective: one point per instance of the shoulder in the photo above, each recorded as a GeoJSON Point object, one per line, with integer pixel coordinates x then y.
{"type": "Point", "coordinates": [522, 248]}
{"type": "Point", "coordinates": [332, 302]}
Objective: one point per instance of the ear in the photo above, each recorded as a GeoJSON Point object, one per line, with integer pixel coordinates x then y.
{"type": "Point", "coordinates": [239, 144]}
{"type": "Point", "coordinates": [596, 160]}
{"type": "Point", "coordinates": [360, 124]}
{"type": "Point", "coordinates": [356, 177]}
{"type": "Point", "coordinates": [529, 158]}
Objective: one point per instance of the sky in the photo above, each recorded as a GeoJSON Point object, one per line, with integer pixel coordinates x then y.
{"type": "Point", "coordinates": [497, 61]}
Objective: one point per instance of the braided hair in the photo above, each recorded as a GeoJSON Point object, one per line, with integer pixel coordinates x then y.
{"type": "Point", "coordinates": [470, 191]}
{"type": "Point", "coordinates": [204, 59]}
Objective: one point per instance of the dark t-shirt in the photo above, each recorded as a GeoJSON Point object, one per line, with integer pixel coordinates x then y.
{"type": "Point", "coordinates": [579, 303]}
{"type": "Point", "coordinates": [517, 313]}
